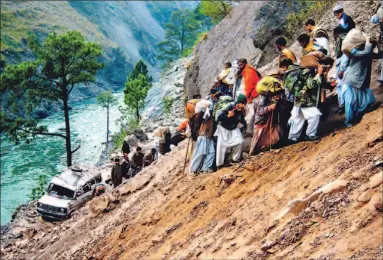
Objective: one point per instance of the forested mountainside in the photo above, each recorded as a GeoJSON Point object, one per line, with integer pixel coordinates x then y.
{"type": "Point", "coordinates": [127, 30]}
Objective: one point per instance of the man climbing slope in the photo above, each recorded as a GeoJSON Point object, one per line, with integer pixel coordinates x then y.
{"type": "Point", "coordinates": [250, 78]}
{"type": "Point", "coordinates": [204, 152]}
{"type": "Point", "coordinates": [228, 134]}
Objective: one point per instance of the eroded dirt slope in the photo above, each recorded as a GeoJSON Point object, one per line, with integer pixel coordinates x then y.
{"type": "Point", "coordinates": [310, 200]}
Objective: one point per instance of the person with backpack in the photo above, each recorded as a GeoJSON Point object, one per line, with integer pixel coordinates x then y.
{"type": "Point", "coordinates": [250, 79]}
{"type": "Point", "coordinates": [267, 128]}
{"type": "Point", "coordinates": [204, 152]}
{"type": "Point", "coordinates": [357, 95]}
{"type": "Point", "coordinates": [229, 136]}
{"type": "Point", "coordinates": [305, 84]}
{"type": "Point", "coordinates": [226, 79]}
{"type": "Point", "coordinates": [319, 37]}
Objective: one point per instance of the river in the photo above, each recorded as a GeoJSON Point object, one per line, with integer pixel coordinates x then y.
{"type": "Point", "coordinates": [22, 164]}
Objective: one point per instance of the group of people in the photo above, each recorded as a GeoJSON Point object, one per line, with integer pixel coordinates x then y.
{"type": "Point", "coordinates": [276, 109]}
{"type": "Point", "coordinates": [125, 167]}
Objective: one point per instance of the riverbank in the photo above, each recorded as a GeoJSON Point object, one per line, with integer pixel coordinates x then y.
{"type": "Point", "coordinates": [22, 164]}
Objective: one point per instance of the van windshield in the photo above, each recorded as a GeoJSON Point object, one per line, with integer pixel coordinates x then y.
{"type": "Point", "coordinates": [58, 191]}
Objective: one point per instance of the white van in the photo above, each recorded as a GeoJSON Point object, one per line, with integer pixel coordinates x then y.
{"type": "Point", "coordinates": [68, 192]}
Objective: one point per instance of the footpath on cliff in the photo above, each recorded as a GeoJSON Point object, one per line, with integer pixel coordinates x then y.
{"type": "Point", "coordinates": [319, 200]}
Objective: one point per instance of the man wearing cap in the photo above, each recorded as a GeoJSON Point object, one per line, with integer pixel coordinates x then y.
{"type": "Point", "coordinates": [228, 134]}
{"type": "Point", "coordinates": [345, 21]}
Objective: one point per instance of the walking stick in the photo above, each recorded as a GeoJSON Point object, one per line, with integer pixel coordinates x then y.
{"type": "Point", "coordinates": [271, 124]}
{"type": "Point", "coordinates": [186, 155]}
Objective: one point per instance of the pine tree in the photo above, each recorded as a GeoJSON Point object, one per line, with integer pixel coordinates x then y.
{"type": "Point", "coordinates": [140, 68]}
{"type": "Point", "coordinates": [180, 34]}
{"type": "Point", "coordinates": [63, 62]}
{"type": "Point", "coordinates": [106, 99]}
{"type": "Point", "coordinates": [135, 93]}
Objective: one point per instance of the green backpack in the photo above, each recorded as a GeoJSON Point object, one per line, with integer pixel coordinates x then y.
{"type": "Point", "coordinates": [221, 104]}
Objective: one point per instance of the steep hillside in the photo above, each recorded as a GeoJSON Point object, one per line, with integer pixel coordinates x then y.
{"type": "Point", "coordinates": [127, 31]}
{"type": "Point", "coordinates": [306, 201]}
{"type": "Point", "coordinates": [248, 32]}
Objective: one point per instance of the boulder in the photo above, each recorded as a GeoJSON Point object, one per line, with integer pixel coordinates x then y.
{"type": "Point", "coordinates": [375, 180]}
{"type": "Point", "coordinates": [140, 134]}
{"type": "Point", "coordinates": [268, 245]}
{"type": "Point", "coordinates": [335, 186]}
{"type": "Point", "coordinates": [131, 140]}
{"type": "Point", "coordinates": [365, 196]}
{"type": "Point", "coordinates": [376, 202]}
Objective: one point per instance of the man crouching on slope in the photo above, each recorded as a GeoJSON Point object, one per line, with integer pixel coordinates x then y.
{"type": "Point", "coordinates": [228, 133]}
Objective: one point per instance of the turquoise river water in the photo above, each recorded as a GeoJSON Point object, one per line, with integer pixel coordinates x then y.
{"type": "Point", "coordinates": [22, 164]}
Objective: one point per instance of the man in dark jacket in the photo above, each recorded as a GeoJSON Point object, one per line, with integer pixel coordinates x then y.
{"type": "Point", "coordinates": [228, 133]}
{"type": "Point", "coordinates": [116, 172]}
{"type": "Point", "coordinates": [125, 166]}
{"type": "Point", "coordinates": [125, 147]}
{"type": "Point", "coordinates": [345, 21]}
{"type": "Point", "coordinates": [150, 158]}
{"type": "Point", "coordinates": [138, 159]}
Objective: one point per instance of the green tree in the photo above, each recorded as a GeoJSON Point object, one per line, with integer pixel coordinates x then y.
{"type": "Point", "coordinates": [63, 62]}
{"type": "Point", "coordinates": [140, 68]}
{"type": "Point", "coordinates": [135, 93]}
{"type": "Point", "coordinates": [216, 10]}
{"type": "Point", "coordinates": [106, 99]}
{"type": "Point", "coordinates": [205, 21]}
{"type": "Point", "coordinates": [180, 34]}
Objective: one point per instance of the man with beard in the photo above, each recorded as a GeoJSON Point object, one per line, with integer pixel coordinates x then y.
{"type": "Point", "coordinates": [250, 78]}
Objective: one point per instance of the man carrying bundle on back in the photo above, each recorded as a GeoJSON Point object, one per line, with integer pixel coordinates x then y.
{"type": "Point", "coordinates": [204, 152]}
{"type": "Point", "coordinates": [267, 128]}
{"type": "Point", "coordinates": [229, 136]}
{"type": "Point", "coordinates": [319, 37]}
{"type": "Point", "coordinates": [305, 85]}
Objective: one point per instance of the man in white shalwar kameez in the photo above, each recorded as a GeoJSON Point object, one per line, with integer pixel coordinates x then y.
{"type": "Point", "coordinates": [229, 136]}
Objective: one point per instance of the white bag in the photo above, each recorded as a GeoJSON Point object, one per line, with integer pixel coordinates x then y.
{"type": "Point", "coordinates": [352, 40]}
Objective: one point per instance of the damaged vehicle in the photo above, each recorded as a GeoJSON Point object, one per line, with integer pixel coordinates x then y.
{"type": "Point", "coordinates": [68, 192]}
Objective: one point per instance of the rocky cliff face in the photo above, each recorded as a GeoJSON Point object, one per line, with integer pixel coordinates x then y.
{"type": "Point", "coordinates": [169, 86]}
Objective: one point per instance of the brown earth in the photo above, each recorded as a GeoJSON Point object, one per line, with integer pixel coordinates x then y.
{"type": "Point", "coordinates": [306, 201]}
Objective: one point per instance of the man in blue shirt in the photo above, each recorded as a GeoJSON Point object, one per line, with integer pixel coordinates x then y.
{"type": "Point", "coordinates": [345, 21]}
